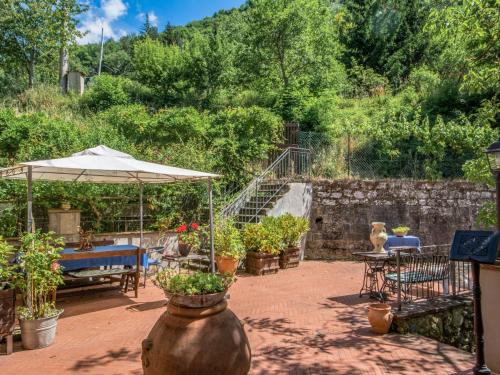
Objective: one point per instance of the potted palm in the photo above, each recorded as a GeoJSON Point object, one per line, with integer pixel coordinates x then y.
{"type": "Point", "coordinates": [197, 318]}
{"type": "Point", "coordinates": [228, 245]}
{"type": "Point", "coordinates": [188, 236]}
{"type": "Point", "coordinates": [292, 229]}
{"type": "Point", "coordinates": [263, 244]}
{"type": "Point", "coordinates": [7, 293]}
{"type": "Point", "coordinates": [41, 275]}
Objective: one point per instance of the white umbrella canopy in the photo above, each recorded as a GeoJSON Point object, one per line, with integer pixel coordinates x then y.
{"type": "Point", "coordinates": [102, 164]}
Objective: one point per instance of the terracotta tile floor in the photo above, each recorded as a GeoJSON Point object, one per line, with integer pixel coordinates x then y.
{"type": "Point", "coordinates": [307, 320]}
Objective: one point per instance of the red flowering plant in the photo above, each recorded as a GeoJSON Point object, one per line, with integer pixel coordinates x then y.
{"type": "Point", "coordinates": [189, 234]}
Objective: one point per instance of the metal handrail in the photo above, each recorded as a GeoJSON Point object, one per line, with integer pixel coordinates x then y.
{"type": "Point", "coordinates": [253, 187]}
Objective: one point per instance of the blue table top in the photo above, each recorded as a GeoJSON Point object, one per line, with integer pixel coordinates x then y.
{"type": "Point", "coordinates": [394, 241]}
{"type": "Point", "coordinates": [98, 249]}
{"type": "Point", "coordinates": [89, 261]}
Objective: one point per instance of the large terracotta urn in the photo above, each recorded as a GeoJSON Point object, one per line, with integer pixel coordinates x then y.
{"type": "Point", "coordinates": [196, 341]}
{"type": "Point", "coordinates": [378, 236]}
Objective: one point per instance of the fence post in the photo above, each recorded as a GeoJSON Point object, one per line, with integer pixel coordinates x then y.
{"type": "Point", "coordinates": [348, 155]}
{"type": "Point", "coordinates": [398, 270]}
{"type": "Point", "coordinates": [256, 199]}
{"type": "Point", "coordinates": [453, 278]}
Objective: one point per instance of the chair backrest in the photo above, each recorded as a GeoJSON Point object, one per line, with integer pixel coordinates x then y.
{"type": "Point", "coordinates": [426, 267]}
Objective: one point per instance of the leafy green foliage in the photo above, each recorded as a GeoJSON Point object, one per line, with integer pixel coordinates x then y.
{"type": "Point", "coordinates": [412, 84]}
{"type": "Point", "coordinates": [263, 238]}
{"type": "Point", "coordinates": [192, 284]}
{"type": "Point", "coordinates": [32, 31]}
{"type": "Point", "coordinates": [105, 91]}
{"type": "Point", "coordinates": [228, 242]}
{"type": "Point", "coordinates": [291, 228]}
{"type": "Point", "coordinates": [240, 136]}
{"type": "Point", "coordinates": [41, 274]}
{"type": "Point", "coordinates": [6, 268]}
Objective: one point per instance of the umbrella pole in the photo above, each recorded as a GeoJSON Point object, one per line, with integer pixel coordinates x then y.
{"type": "Point", "coordinates": [29, 229]}
{"type": "Point", "coordinates": [212, 244]}
{"type": "Point", "coordinates": [29, 226]}
{"type": "Point", "coordinates": [141, 235]}
{"type": "Point", "coordinates": [141, 214]}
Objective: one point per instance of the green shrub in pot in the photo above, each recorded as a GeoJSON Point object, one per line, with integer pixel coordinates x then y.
{"type": "Point", "coordinates": [193, 290]}
{"type": "Point", "coordinates": [191, 284]}
{"type": "Point", "coordinates": [263, 243]}
{"type": "Point", "coordinates": [292, 228]}
{"type": "Point", "coordinates": [228, 245]}
{"type": "Point", "coordinates": [263, 238]}
{"type": "Point", "coordinates": [40, 274]}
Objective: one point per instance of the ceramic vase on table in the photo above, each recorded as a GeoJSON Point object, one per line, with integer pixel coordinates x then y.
{"type": "Point", "coordinates": [378, 236]}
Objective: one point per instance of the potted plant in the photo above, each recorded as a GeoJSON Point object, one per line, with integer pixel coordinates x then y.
{"type": "Point", "coordinates": [40, 276]}
{"type": "Point", "coordinates": [7, 292]}
{"type": "Point", "coordinates": [198, 331]}
{"type": "Point", "coordinates": [263, 244]}
{"type": "Point", "coordinates": [188, 236]}
{"type": "Point", "coordinates": [228, 246]}
{"type": "Point", "coordinates": [400, 231]}
{"type": "Point", "coordinates": [380, 317]}
{"type": "Point", "coordinates": [292, 229]}
{"type": "Point", "coordinates": [193, 290]}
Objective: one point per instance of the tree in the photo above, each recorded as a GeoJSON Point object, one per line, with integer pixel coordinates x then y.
{"type": "Point", "coordinates": [159, 67]}
{"type": "Point", "coordinates": [170, 36]}
{"type": "Point", "coordinates": [65, 21]}
{"type": "Point", "coordinates": [289, 42]}
{"type": "Point", "coordinates": [148, 30]}
{"type": "Point", "coordinates": [385, 35]}
{"type": "Point", "coordinates": [466, 34]}
{"type": "Point", "coordinates": [27, 33]}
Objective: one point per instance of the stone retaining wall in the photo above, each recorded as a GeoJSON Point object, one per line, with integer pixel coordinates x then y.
{"type": "Point", "coordinates": [446, 320]}
{"type": "Point", "coordinates": [342, 211]}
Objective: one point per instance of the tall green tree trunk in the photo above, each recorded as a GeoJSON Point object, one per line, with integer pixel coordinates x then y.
{"type": "Point", "coordinates": [63, 68]}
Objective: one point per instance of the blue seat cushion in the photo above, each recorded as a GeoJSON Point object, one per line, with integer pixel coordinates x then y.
{"type": "Point", "coordinates": [413, 277]}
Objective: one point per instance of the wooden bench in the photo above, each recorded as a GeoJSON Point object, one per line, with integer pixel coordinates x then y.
{"type": "Point", "coordinates": [125, 273]}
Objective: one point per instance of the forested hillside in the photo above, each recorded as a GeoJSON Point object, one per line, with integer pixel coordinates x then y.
{"type": "Point", "coordinates": [409, 81]}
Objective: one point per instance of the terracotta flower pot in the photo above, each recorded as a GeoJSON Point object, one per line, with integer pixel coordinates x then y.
{"type": "Point", "coordinates": [226, 264]}
{"type": "Point", "coordinates": [195, 301]}
{"type": "Point", "coordinates": [184, 249]}
{"type": "Point", "coordinates": [380, 317]}
{"type": "Point", "coordinates": [187, 341]}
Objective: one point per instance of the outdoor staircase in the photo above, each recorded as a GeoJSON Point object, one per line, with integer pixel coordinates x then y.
{"type": "Point", "coordinates": [260, 195]}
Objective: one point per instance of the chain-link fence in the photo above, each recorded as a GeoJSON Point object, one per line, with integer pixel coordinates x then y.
{"type": "Point", "coordinates": [358, 157]}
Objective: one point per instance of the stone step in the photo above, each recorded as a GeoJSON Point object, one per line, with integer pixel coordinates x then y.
{"type": "Point", "coordinates": [251, 211]}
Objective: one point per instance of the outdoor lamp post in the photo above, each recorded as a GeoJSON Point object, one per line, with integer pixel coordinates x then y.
{"type": "Point", "coordinates": [493, 157]}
